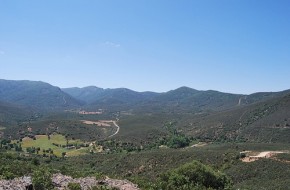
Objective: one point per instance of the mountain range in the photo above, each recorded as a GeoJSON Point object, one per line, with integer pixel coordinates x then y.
{"type": "Point", "coordinates": [262, 116]}
{"type": "Point", "coordinates": [181, 100]}
{"type": "Point", "coordinates": [45, 97]}
{"type": "Point", "coordinates": [34, 94]}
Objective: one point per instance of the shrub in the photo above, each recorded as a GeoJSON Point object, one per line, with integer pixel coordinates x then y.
{"type": "Point", "coordinates": [35, 161]}
{"type": "Point", "coordinates": [178, 142]}
{"type": "Point", "coordinates": [41, 179]}
{"type": "Point", "coordinates": [74, 186]}
{"type": "Point", "coordinates": [99, 176]}
{"type": "Point", "coordinates": [194, 175]}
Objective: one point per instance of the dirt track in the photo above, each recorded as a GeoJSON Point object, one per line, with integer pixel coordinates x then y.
{"type": "Point", "coordinates": [102, 123]}
{"type": "Point", "coordinates": [264, 154]}
{"type": "Point", "coordinates": [118, 129]}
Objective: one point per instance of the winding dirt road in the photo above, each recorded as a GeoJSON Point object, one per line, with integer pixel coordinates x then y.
{"type": "Point", "coordinates": [118, 129]}
{"type": "Point", "coordinates": [64, 100]}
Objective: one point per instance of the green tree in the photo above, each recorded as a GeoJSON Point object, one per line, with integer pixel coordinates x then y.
{"type": "Point", "coordinates": [35, 161]}
{"type": "Point", "coordinates": [194, 175]}
{"type": "Point", "coordinates": [74, 186]}
{"type": "Point", "coordinates": [41, 179]}
{"type": "Point", "coordinates": [178, 142]}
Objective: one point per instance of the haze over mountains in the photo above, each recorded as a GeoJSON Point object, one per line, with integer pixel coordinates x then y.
{"type": "Point", "coordinates": [43, 96]}
{"type": "Point", "coordinates": [34, 94]}
{"type": "Point", "coordinates": [262, 116]}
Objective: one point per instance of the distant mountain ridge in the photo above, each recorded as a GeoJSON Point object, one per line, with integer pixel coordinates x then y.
{"type": "Point", "coordinates": [36, 94]}
{"type": "Point", "coordinates": [180, 100]}
{"type": "Point", "coordinates": [44, 96]}
{"type": "Point", "coordinates": [87, 94]}
{"type": "Point", "coordinates": [185, 99]}
{"type": "Point", "coordinates": [95, 95]}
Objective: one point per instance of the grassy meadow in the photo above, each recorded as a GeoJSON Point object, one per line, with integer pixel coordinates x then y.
{"type": "Point", "coordinates": [44, 143]}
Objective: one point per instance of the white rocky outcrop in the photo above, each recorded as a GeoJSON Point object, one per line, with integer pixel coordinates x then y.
{"type": "Point", "coordinates": [15, 184]}
{"type": "Point", "coordinates": [61, 182]}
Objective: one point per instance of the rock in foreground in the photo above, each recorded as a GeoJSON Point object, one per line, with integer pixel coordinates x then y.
{"type": "Point", "coordinates": [61, 182]}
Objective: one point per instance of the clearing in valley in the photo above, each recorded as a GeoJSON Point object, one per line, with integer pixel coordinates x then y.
{"type": "Point", "coordinates": [250, 156]}
{"type": "Point", "coordinates": [58, 143]}
{"type": "Point", "coordinates": [100, 123]}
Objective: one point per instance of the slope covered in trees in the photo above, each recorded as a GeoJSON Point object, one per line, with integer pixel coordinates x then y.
{"type": "Point", "coordinates": [39, 95]}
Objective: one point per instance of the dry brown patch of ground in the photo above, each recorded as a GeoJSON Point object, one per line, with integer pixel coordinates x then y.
{"type": "Point", "coordinates": [254, 156]}
{"type": "Point", "coordinates": [200, 144]}
{"type": "Point", "coordinates": [90, 112]}
{"type": "Point", "coordinates": [101, 123]}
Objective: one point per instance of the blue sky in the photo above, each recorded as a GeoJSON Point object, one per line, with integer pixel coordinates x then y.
{"type": "Point", "coordinates": [238, 46]}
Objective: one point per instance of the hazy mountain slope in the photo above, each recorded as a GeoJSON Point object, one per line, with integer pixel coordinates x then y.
{"type": "Point", "coordinates": [184, 100]}
{"type": "Point", "coordinates": [10, 114]}
{"type": "Point", "coordinates": [188, 100]}
{"type": "Point", "coordinates": [181, 100]}
{"type": "Point", "coordinates": [267, 121]}
{"type": "Point", "coordinates": [35, 94]}
{"type": "Point", "coordinates": [123, 95]}
{"type": "Point", "coordinates": [261, 96]}
{"type": "Point", "coordinates": [119, 98]}
{"type": "Point", "coordinates": [87, 94]}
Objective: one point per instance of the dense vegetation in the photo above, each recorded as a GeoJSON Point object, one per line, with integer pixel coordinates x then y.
{"type": "Point", "coordinates": [67, 124]}
{"type": "Point", "coordinates": [39, 95]}
{"type": "Point", "coordinates": [152, 168]}
{"type": "Point", "coordinates": [194, 175]}
{"type": "Point", "coordinates": [155, 146]}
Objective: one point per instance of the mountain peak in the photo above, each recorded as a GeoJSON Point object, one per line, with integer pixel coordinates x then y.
{"type": "Point", "coordinates": [36, 94]}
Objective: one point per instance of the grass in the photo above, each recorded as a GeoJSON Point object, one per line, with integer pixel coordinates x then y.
{"type": "Point", "coordinates": [43, 143]}
{"type": "Point", "coordinates": [77, 152]}
{"type": "Point", "coordinates": [2, 128]}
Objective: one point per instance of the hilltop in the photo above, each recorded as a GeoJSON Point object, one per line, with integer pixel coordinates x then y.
{"type": "Point", "coordinates": [38, 95]}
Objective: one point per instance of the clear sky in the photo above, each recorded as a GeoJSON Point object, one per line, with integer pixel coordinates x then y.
{"type": "Point", "coordinates": [238, 46]}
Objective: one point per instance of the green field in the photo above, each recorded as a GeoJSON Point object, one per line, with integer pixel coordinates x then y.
{"type": "Point", "coordinates": [44, 143]}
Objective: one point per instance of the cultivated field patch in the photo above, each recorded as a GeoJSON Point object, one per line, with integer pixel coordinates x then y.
{"type": "Point", "coordinates": [100, 123]}
{"type": "Point", "coordinates": [57, 143]}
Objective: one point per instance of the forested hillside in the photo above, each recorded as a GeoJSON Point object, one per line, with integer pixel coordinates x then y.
{"type": "Point", "coordinates": [40, 95]}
